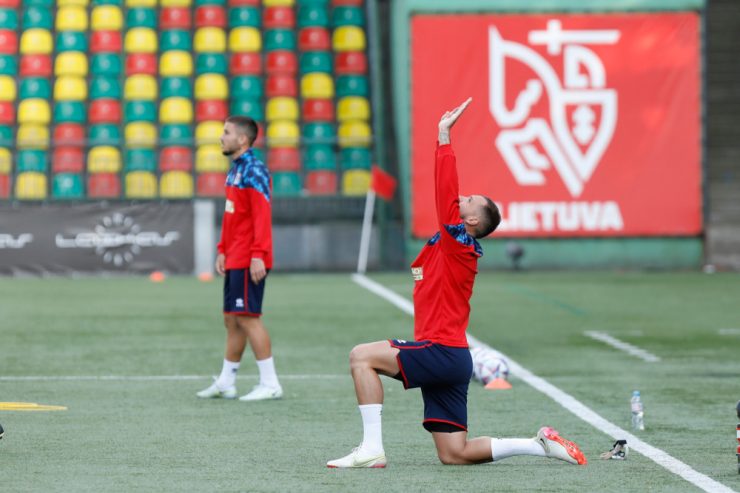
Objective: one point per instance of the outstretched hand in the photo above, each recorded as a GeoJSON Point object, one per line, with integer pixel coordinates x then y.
{"type": "Point", "coordinates": [449, 119]}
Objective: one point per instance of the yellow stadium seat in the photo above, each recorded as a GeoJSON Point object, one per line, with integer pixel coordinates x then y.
{"type": "Point", "coordinates": [68, 3]}
{"type": "Point", "coordinates": [245, 39]}
{"type": "Point", "coordinates": [140, 134]}
{"type": "Point", "coordinates": [175, 3]}
{"type": "Point", "coordinates": [209, 40]}
{"type": "Point", "coordinates": [209, 132]}
{"type": "Point", "coordinates": [8, 90]}
{"type": "Point", "coordinates": [72, 18]}
{"type": "Point", "coordinates": [208, 158]}
{"type": "Point", "coordinates": [283, 133]}
{"type": "Point", "coordinates": [211, 86]}
{"type": "Point", "coordinates": [140, 87]}
{"type": "Point", "coordinates": [353, 108]}
{"type": "Point", "coordinates": [141, 185]}
{"type": "Point", "coordinates": [69, 88]}
{"type": "Point", "coordinates": [175, 64]}
{"type": "Point", "coordinates": [354, 133]}
{"type": "Point", "coordinates": [30, 185]}
{"type": "Point", "coordinates": [348, 38]}
{"type": "Point", "coordinates": [107, 18]}
{"type": "Point", "coordinates": [36, 42]}
{"type": "Point", "coordinates": [71, 63]}
{"type": "Point", "coordinates": [140, 40]}
{"type": "Point", "coordinates": [355, 182]}
{"type": "Point", "coordinates": [176, 110]}
{"type": "Point", "coordinates": [34, 110]}
{"type": "Point", "coordinates": [176, 185]}
{"type": "Point", "coordinates": [282, 108]}
{"type": "Point", "coordinates": [104, 159]}
{"type": "Point", "coordinates": [6, 161]}
{"type": "Point", "coordinates": [277, 3]}
{"type": "Point", "coordinates": [32, 136]}
{"type": "Point", "coordinates": [317, 85]}
{"type": "Point", "coordinates": [141, 3]}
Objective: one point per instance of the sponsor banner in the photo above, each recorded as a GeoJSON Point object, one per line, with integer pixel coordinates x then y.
{"type": "Point", "coordinates": [95, 238]}
{"type": "Point", "coordinates": [581, 125]}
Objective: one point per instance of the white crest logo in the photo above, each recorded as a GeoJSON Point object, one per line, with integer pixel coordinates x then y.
{"type": "Point", "coordinates": [572, 140]}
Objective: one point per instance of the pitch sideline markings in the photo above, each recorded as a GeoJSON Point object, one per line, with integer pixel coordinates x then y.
{"type": "Point", "coordinates": [628, 348]}
{"type": "Point", "coordinates": [569, 402]}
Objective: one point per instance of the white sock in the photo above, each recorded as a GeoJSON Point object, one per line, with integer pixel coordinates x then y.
{"type": "Point", "coordinates": [502, 448]}
{"type": "Point", "coordinates": [372, 437]}
{"type": "Point", "coordinates": [228, 374]}
{"type": "Point", "coordinates": [268, 377]}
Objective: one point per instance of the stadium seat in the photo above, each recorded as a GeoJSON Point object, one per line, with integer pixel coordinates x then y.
{"type": "Point", "coordinates": [140, 86]}
{"type": "Point", "coordinates": [319, 156]}
{"type": "Point", "coordinates": [316, 110]}
{"type": "Point", "coordinates": [211, 63]}
{"type": "Point", "coordinates": [277, 3]}
{"type": "Point", "coordinates": [69, 134]}
{"type": "Point", "coordinates": [7, 115]}
{"type": "Point", "coordinates": [355, 182]}
{"type": "Point", "coordinates": [352, 3]}
{"type": "Point", "coordinates": [140, 40]}
{"type": "Point", "coordinates": [208, 158]}
{"type": "Point", "coordinates": [6, 161]}
{"type": "Point", "coordinates": [176, 134]}
{"type": "Point", "coordinates": [286, 184]}
{"type": "Point", "coordinates": [282, 108]}
{"type": "Point", "coordinates": [317, 86]}
{"type": "Point", "coordinates": [246, 64]}
{"type": "Point", "coordinates": [104, 111]}
{"type": "Point", "coordinates": [9, 19]}
{"type": "Point", "coordinates": [246, 87]}
{"type": "Point", "coordinates": [354, 133]}
{"type": "Point", "coordinates": [281, 62]}
{"type": "Point", "coordinates": [68, 160]}
{"type": "Point", "coordinates": [174, 18]}
{"type": "Point", "coordinates": [352, 85]}
{"type": "Point", "coordinates": [207, 133]}
{"type": "Point", "coordinates": [347, 16]}
{"type": "Point", "coordinates": [105, 135]}
{"type": "Point", "coordinates": [348, 38]}
{"type": "Point", "coordinates": [314, 39]}
{"type": "Point", "coordinates": [280, 39]}
{"type": "Point", "coordinates": [319, 133]}
{"type": "Point", "coordinates": [283, 133]}
{"type": "Point", "coordinates": [140, 160]}
{"type": "Point", "coordinates": [35, 66]}
{"type": "Point", "coordinates": [30, 186]}
{"type": "Point", "coordinates": [71, 19]}
{"type": "Point", "coordinates": [71, 63]}
{"type": "Point", "coordinates": [244, 17]}
{"type": "Point", "coordinates": [177, 3]}
{"type": "Point", "coordinates": [33, 42]}
{"type": "Point", "coordinates": [245, 39]}
{"type": "Point", "coordinates": [353, 108]}
{"type": "Point", "coordinates": [106, 64]}
{"type": "Point", "coordinates": [176, 64]}
{"type": "Point", "coordinates": [69, 112]}
{"type": "Point", "coordinates": [103, 186]}
{"type": "Point", "coordinates": [312, 16]}
{"type": "Point", "coordinates": [6, 136]}
{"type": "Point", "coordinates": [210, 16]}
{"type": "Point", "coordinates": [36, 18]}
{"type": "Point", "coordinates": [31, 160]}
{"type": "Point", "coordinates": [315, 61]}
{"type": "Point", "coordinates": [141, 63]}
{"type": "Point", "coordinates": [251, 107]}
{"type": "Point", "coordinates": [211, 110]}
{"type": "Point", "coordinates": [283, 159]}
{"type": "Point", "coordinates": [32, 136]}
{"type": "Point", "coordinates": [141, 17]}
{"type": "Point", "coordinates": [176, 185]}
{"type": "Point", "coordinates": [351, 62]}
{"type": "Point", "coordinates": [175, 39]}
{"type": "Point", "coordinates": [67, 186]}
{"type": "Point", "coordinates": [141, 3]}
{"type": "Point", "coordinates": [278, 18]}
{"type": "Point", "coordinates": [104, 159]}
{"type": "Point", "coordinates": [34, 110]}
{"type": "Point", "coordinates": [140, 134]}
{"type": "Point", "coordinates": [211, 86]}
{"type": "Point", "coordinates": [141, 185]}
{"type": "Point", "coordinates": [321, 182]}
{"type": "Point", "coordinates": [4, 186]}
{"type": "Point", "coordinates": [281, 85]}
{"type": "Point", "coordinates": [106, 42]}
{"type": "Point", "coordinates": [105, 88]}
{"type": "Point", "coordinates": [8, 65]}
{"type": "Point", "coordinates": [8, 90]}
{"type": "Point", "coordinates": [106, 18]}
{"type": "Point", "coordinates": [176, 87]}
{"type": "Point", "coordinates": [176, 110]}
{"type": "Point", "coordinates": [71, 41]}
{"type": "Point", "coordinates": [176, 159]}
{"type": "Point", "coordinates": [355, 158]}
{"type": "Point", "coordinates": [9, 42]}
{"type": "Point", "coordinates": [211, 184]}
{"type": "Point", "coordinates": [210, 40]}
{"type": "Point", "coordinates": [9, 4]}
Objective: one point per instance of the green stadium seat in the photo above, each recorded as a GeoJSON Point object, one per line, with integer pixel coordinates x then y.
{"type": "Point", "coordinates": [355, 158]}
{"type": "Point", "coordinates": [69, 112]}
{"type": "Point", "coordinates": [181, 87]}
{"type": "Point", "coordinates": [319, 133]}
{"type": "Point", "coordinates": [247, 86]}
{"type": "Point", "coordinates": [286, 184]}
{"type": "Point", "coordinates": [6, 135]}
{"type": "Point", "coordinates": [67, 186]}
{"type": "Point", "coordinates": [8, 65]}
{"type": "Point", "coordinates": [211, 63]}
{"type": "Point", "coordinates": [107, 2]}
{"type": "Point", "coordinates": [35, 87]}
{"type": "Point", "coordinates": [313, 3]}
{"type": "Point", "coordinates": [105, 135]}
{"type": "Point", "coordinates": [315, 61]}
{"type": "Point", "coordinates": [140, 160]}
{"type": "Point", "coordinates": [312, 16]}
{"type": "Point", "coordinates": [31, 160]}
{"type": "Point", "coordinates": [199, 3]}
{"type": "Point", "coordinates": [9, 19]}
{"type": "Point", "coordinates": [280, 39]}
{"type": "Point", "coordinates": [141, 17]}
{"type": "Point", "coordinates": [175, 39]}
{"type": "Point", "coordinates": [352, 85]}
{"type": "Point", "coordinates": [244, 17]}
{"type": "Point", "coordinates": [37, 17]}
{"type": "Point", "coordinates": [176, 135]}
{"type": "Point", "coordinates": [347, 16]}
{"type": "Point", "coordinates": [251, 107]}
{"type": "Point", "coordinates": [319, 156]}
{"type": "Point", "coordinates": [71, 41]}
{"type": "Point", "coordinates": [105, 88]}
{"type": "Point", "coordinates": [109, 64]}
{"type": "Point", "coordinates": [140, 111]}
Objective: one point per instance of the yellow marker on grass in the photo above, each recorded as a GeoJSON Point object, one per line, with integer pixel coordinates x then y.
{"type": "Point", "coordinates": [28, 406]}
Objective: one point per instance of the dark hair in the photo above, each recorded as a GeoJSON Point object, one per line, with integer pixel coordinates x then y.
{"type": "Point", "coordinates": [490, 218]}
{"type": "Point", "coordinates": [245, 125]}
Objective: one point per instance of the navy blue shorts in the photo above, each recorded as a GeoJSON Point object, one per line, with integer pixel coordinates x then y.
{"type": "Point", "coordinates": [443, 373]}
{"type": "Point", "coordinates": [241, 295]}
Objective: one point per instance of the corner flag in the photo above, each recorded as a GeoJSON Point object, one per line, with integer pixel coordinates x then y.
{"type": "Point", "coordinates": [383, 183]}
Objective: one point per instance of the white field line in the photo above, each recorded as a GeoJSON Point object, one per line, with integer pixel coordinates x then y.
{"type": "Point", "coordinates": [729, 332]}
{"type": "Point", "coordinates": [571, 404]}
{"type": "Point", "coordinates": [628, 348]}
{"type": "Point", "coordinates": [151, 378]}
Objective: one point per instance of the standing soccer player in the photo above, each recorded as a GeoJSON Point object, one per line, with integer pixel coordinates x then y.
{"type": "Point", "coordinates": [244, 259]}
{"type": "Point", "coordinates": [439, 361]}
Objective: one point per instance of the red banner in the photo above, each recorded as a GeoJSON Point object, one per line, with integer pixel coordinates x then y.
{"type": "Point", "coordinates": [581, 125]}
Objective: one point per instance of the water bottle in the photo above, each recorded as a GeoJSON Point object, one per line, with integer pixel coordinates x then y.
{"type": "Point", "coordinates": [638, 411]}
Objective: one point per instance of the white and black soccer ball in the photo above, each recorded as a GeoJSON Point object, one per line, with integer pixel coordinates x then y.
{"type": "Point", "coordinates": [1, 431]}
{"type": "Point", "coordinates": [488, 365]}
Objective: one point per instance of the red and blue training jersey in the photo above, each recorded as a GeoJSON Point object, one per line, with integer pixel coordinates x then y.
{"type": "Point", "coordinates": [444, 271]}
{"type": "Point", "coordinates": [246, 231]}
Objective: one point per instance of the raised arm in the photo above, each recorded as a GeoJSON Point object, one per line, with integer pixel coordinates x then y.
{"type": "Point", "coordinates": [448, 120]}
{"type": "Point", "coordinates": [445, 170]}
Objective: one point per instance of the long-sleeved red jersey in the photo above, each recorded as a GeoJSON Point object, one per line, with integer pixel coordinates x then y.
{"type": "Point", "coordinates": [246, 231]}
{"type": "Point", "coordinates": [444, 271]}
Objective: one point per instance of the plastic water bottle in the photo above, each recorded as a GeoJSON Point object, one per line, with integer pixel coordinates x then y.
{"type": "Point", "coordinates": [638, 412]}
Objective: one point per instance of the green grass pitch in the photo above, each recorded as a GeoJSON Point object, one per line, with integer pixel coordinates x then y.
{"type": "Point", "coordinates": [144, 433]}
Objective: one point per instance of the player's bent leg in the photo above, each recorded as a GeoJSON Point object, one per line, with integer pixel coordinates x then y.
{"type": "Point", "coordinates": [366, 361]}
{"type": "Point", "coordinates": [455, 448]}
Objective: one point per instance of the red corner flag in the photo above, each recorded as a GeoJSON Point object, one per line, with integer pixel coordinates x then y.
{"type": "Point", "coordinates": [383, 183]}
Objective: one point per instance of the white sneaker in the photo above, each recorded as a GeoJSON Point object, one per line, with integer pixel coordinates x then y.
{"type": "Point", "coordinates": [262, 393]}
{"type": "Point", "coordinates": [215, 392]}
{"type": "Point", "coordinates": [358, 458]}
{"type": "Point", "coordinates": [558, 447]}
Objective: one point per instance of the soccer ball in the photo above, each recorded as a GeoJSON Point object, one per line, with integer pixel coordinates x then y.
{"type": "Point", "coordinates": [488, 365]}
{"type": "Point", "coordinates": [1, 431]}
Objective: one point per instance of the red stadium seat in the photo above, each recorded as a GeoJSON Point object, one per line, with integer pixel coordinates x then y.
{"type": "Point", "coordinates": [7, 113]}
{"type": "Point", "coordinates": [281, 85]}
{"type": "Point", "coordinates": [322, 182]}
{"type": "Point", "coordinates": [176, 159]}
{"type": "Point", "coordinates": [278, 18]}
{"type": "Point", "coordinates": [314, 39]}
{"type": "Point", "coordinates": [8, 42]}
{"type": "Point", "coordinates": [174, 18]}
{"type": "Point", "coordinates": [4, 186]}
{"type": "Point", "coordinates": [105, 111]}
{"type": "Point", "coordinates": [35, 66]}
{"type": "Point", "coordinates": [69, 134]}
{"type": "Point", "coordinates": [211, 110]}
{"type": "Point", "coordinates": [106, 42]}
{"type": "Point", "coordinates": [281, 62]}
{"type": "Point", "coordinates": [347, 3]}
{"type": "Point", "coordinates": [68, 160]}
{"type": "Point", "coordinates": [103, 186]}
{"type": "Point", "coordinates": [210, 15]}
{"type": "Point", "coordinates": [246, 64]}
{"type": "Point", "coordinates": [350, 62]}
{"type": "Point", "coordinates": [210, 184]}
{"type": "Point", "coordinates": [318, 110]}
{"type": "Point", "coordinates": [9, 4]}
{"type": "Point", "coordinates": [283, 159]}
{"type": "Point", "coordinates": [141, 63]}
{"type": "Point", "coordinates": [244, 3]}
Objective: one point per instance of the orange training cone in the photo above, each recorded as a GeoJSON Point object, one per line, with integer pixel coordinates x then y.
{"type": "Point", "coordinates": [498, 384]}
{"type": "Point", "coordinates": [156, 276]}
